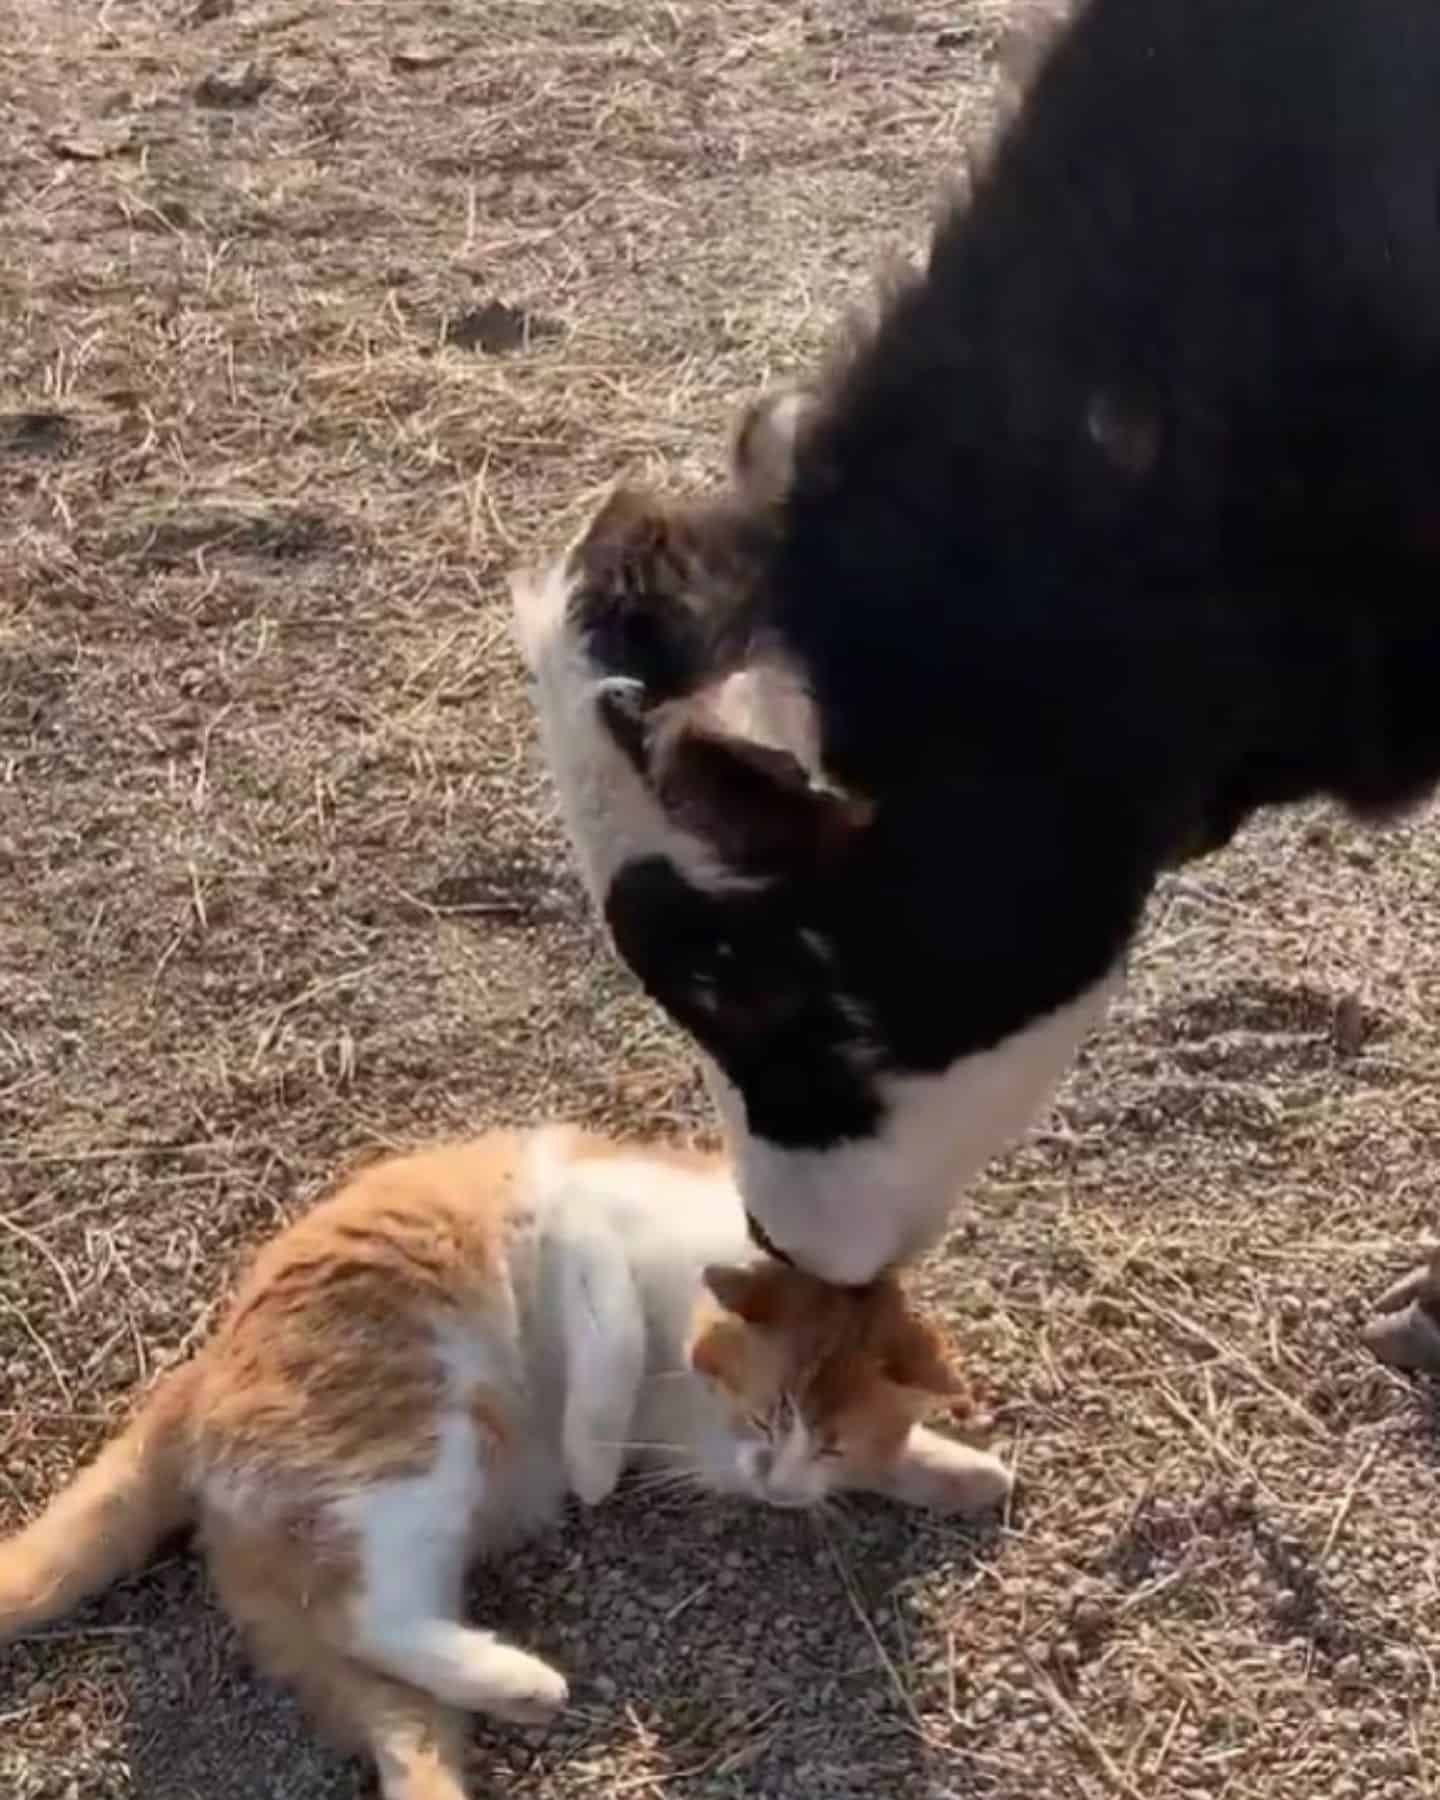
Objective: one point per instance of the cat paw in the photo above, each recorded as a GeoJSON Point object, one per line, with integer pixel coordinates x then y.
{"type": "Point", "coordinates": [978, 1485]}
{"type": "Point", "coordinates": [952, 1478]}
{"type": "Point", "coordinates": [518, 1687]}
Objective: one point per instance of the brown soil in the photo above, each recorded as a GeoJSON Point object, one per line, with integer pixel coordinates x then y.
{"type": "Point", "coordinates": [313, 319]}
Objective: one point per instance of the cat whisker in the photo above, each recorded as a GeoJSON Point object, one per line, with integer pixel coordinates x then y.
{"type": "Point", "coordinates": [677, 1472]}
{"type": "Point", "coordinates": [663, 1498]}
{"type": "Point", "coordinates": [656, 1481]}
{"type": "Point", "coordinates": [639, 1444]}
{"type": "Point", "coordinates": [834, 1510]}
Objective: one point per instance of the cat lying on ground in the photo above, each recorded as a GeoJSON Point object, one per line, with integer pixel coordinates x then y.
{"type": "Point", "coordinates": [421, 1369]}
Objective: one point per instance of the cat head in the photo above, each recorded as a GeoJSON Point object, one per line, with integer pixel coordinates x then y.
{"type": "Point", "coordinates": [821, 1385]}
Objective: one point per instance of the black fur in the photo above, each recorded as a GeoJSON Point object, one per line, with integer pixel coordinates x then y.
{"type": "Point", "coordinates": [1125, 523]}
{"type": "Point", "coordinates": [1222, 217]}
{"type": "Point", "coordinates": [737, 972]}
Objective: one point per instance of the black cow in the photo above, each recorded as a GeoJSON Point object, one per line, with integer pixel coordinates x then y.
{"type": "Point", "coordinates": [1123, 522]}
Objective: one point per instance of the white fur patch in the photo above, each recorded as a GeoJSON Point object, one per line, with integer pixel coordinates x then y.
{"type": "Point", "coordinates": [602, 1319]}
{"type": "Point", "coordinates": [847, 1212]}
{"type": "Point", "coordinates": [414, 1533]}
{"type": "Point", "coordinates": [538, 599]}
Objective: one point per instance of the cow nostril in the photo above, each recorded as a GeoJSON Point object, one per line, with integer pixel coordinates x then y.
{"type": "Point", "coordinates": [762, 1463]}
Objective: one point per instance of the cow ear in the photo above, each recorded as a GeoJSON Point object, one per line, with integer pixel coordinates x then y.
{"type": "Point", "coordinates": [763, 454]}
{"type": "Point", "coordinates": [738, 765]}
{"type": "Point", "coordinates": [1031, 31]}
{"type": "Point", "coordinates": [627, 542]}
{"type": "Point", "coordinates": [639, 556]}
{"type": "Point", "coordinates": [622, 582]}
{"type": "Point", "coordinates": [640, 597]}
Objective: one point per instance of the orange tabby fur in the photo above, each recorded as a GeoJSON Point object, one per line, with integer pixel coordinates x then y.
{"type": "Point", "coordinates": [330, 1391]}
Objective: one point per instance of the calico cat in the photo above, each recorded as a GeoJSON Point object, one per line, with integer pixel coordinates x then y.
{"type": "Point", "coordinates": [424, 1366]}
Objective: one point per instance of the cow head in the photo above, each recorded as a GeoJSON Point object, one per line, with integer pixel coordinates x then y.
{"type": "Point", "coordinates": [874, 1033]}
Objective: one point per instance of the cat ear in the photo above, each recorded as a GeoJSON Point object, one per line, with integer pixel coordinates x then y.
{"type": "Point", "coordinates": [919, 1361]}
{"type": "Point", "coordinates": [762, 456]}
{"type": "Point", "coordinates": [627, 539]}
{"type": "Point", "coordinates": [749, 1293]}
{"type": "Point", "coordinates": [718, 1353]}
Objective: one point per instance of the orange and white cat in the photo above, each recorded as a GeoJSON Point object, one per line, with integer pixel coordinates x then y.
{"type": "Point", "coordinates": [425, 1365]}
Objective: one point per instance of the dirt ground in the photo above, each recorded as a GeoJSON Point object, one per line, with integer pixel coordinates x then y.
{"type": "Point", "coordinates": [313, 318]}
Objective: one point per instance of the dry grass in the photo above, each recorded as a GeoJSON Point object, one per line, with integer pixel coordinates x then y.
{"type": "Point", "coordinates": [279, 878]}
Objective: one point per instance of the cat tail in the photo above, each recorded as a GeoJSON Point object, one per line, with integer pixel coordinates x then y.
{"type": "Point", "coordinates": [109, 1519]}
